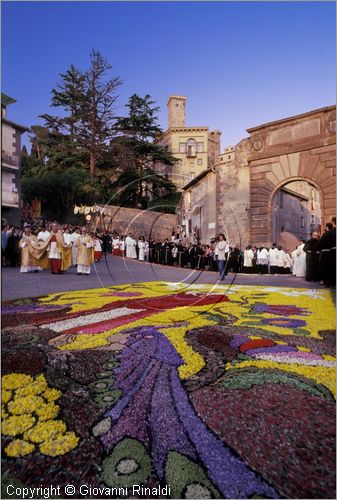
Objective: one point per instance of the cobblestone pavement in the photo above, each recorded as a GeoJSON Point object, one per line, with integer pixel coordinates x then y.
{"type": "Point", "coordinates": [116, 270]}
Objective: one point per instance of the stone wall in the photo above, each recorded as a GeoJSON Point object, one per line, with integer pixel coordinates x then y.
{"type": "Point", "coordinates": [232, 195]}
{"type": "Point", "coordinates": [154, 225]}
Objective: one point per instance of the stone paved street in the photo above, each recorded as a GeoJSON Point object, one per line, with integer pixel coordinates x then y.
{"type": "Point", "coordinates": [116, 271]}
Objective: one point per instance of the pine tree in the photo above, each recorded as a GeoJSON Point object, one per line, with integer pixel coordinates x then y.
{"type": "Point", "coordinates": [69, 95]}
{"type": "Point", "coordinates": [81, 134]}
{"type": "Point", "coordinates": [139, 132]}
{"type": "Point", "coordinates": [97, 124]}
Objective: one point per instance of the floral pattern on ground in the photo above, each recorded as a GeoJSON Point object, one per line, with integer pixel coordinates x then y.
{"type": "Point", "coordinates": [217, 391]}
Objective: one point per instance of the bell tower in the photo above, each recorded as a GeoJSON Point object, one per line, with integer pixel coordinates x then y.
{"type": "Point", "coordinates": [176, 111]}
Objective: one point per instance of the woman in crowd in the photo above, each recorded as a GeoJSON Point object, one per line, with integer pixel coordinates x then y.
{"type": "Point", "coordinates": [221, 251]}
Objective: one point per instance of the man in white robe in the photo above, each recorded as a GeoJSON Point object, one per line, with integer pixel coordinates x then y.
{"type": "Point", "coordinates": [130, 243]}
{"type": "Point", "coordinates": [301, 260]}
{"type": "Point", "coordinates": [74, 237]}
{"type": "Point", "coordinates": [273, 261]}
{"type": "Point", "coordinates": [85, 252]}
{"type": "Point", "coordinates": [294, 259]}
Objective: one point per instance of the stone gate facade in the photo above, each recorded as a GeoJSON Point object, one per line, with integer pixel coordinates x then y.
{"type": "Point", "coordinates": [298, 148]}
{"type": "Point", "coordinates": [249, 175]}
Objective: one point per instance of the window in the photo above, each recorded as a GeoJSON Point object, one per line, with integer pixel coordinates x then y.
{"type": "Point", "coordinates": [200, 161]}
{"type": "Point", "coordinates": [191, 148]}
{"type": "Point", "coordinates": [182, 147]}
{"type": "Point", "coordinates": [302, 222]}
{"type": "Point", "coordinates": [200, 147]}
{"type": "Point", "coordinates": [192, 175]}
{"type": "Point", "coordinates": [177, 105]}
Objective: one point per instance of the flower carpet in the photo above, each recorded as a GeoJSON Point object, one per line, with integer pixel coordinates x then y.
{"type": "Point", "coordinates": [214, 391]}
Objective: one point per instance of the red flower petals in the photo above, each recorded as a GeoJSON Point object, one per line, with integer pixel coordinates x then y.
{"type": "Point", "coordinates": [256, 344]}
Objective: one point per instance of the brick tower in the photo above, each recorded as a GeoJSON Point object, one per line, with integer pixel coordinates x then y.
{"type": "Point", "coordinates": [176, 111]}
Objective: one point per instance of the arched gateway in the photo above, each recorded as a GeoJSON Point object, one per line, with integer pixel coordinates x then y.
{"type": "Point", "coordinates": [300, 148]}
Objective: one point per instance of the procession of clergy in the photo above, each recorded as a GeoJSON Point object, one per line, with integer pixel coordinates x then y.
{"type": "Point", "coordinates": [58, 250]}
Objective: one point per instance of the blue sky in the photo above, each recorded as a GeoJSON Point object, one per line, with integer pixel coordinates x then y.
{"type": "Point", "coordinates": [240, 64]}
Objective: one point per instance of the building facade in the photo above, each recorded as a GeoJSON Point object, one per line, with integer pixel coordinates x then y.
{"type": "Point", "coordinates": [10, 164]}
{"type": "Point", "coordinates": [289, 162]}
{"type": "Point", "coordinates": [196, 215]}
{"type": "Point", "coordinates": [296, 210]}
{"type": "Point", "coordinates": [196, 148]}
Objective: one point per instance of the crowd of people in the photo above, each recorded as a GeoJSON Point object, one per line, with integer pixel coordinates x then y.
{"type": "Point", "coordinates": [44, 244]}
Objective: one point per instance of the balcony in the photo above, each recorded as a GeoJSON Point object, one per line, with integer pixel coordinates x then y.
{"type": "Point", "coordinates": [10, 199]}
{"type": "Point", "coordinates": [191, 152]}
{"type": "Point", "coordinates": [10, 160]}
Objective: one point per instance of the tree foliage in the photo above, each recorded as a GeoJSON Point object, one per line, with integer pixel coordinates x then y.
{"type": "Point", "coordinates": [137, 141]}
{"type": "Point", "coordinates": [58, 192]}
{"type": "Point", "coordinates": [84, 153]}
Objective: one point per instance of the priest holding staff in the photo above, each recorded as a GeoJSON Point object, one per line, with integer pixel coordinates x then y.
{"type": "Point", "coordinates": [85, 252]}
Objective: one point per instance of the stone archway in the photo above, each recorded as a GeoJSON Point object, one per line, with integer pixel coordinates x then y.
{"type": "Point", "coordinates": [295, 210]}
{"type": "Point", "coordinates": [299, 148]}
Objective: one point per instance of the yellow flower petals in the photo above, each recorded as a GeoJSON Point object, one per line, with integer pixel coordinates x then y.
{"type": "Point", "coordinates": [19, 448]}
{"type": "Point", "coordinates": [52, 395]}
{"type": "Point", "coordinates": [33, 396]}
{"type": "Point", "coordinates": [5, 396]}
{"type": "Point", "coordinates": [25, 405]}
{"type": "Point", "coordinates": [327, 357]}
{"type": "Point", "coordinates": [45, 431]}
{"type": "Point", "coordinates": [15, 425]}
{"type": "Point", "coordinates": [36, 387]}
{"type": "Point", "coordinates": [48, 411]}
{"type": "Point", "coordinates": [59, 445]}
{"type": "Point", "coordinates": [15, 380]}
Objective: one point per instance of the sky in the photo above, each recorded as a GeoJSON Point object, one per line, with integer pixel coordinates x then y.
{"type": "Point", "coordinates": [240, 64]}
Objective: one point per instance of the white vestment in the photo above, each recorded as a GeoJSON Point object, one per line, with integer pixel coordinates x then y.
{"type": "Point", "coordinates": [141, 247]}
{"type": "Point", "coordinates": [273, 253]}
{"type": "Point", "coordinates": [248, 256]}
{"type": "Point", "coordinates": [130, 247]}
{"type": "Point", "coordinates": [301, 261]}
